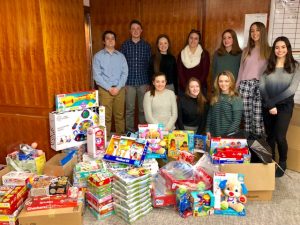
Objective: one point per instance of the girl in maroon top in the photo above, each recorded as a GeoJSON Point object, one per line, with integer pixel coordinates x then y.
{"type": "Point", "coordinates": [193, 61]}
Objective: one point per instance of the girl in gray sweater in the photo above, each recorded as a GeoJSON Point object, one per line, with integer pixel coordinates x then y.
{"type": "Point", "coordinates": [277, 87]}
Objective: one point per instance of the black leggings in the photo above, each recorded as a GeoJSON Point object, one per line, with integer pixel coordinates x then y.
{"type": "Point", "coordinates": [276, 128]}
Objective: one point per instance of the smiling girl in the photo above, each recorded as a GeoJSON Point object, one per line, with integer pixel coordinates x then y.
{"type": "Point", "coordinates": [192, 108]}
{"type": "Point", "coordinates": [228, 56]}
{"type": "Point", "coordinates": [226, 107]}
{"type": "Point", "coordinates": [160, 103]}
{"type": "Point", "coordinates": [253, 64]}
{"type": "Point", "coordinates": [278, 86]}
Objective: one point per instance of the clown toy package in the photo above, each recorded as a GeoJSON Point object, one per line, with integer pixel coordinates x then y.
{"type": "Point", "coordinates": [229, 191]}
{"type": "Point", "coordinates": [126, 150]}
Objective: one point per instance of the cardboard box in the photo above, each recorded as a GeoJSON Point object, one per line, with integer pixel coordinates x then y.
{"type": "Point", "coordinates": [53, 167]}
{"type": "Point", "coordinates": [259, 178]}
{"type": "Point", "coordinates": [293, 157]}
{"type": "Point", "coordinates": [65, 216]}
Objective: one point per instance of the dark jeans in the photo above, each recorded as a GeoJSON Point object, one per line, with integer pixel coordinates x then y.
{"type": "Point", "coordinates": [276, 128]}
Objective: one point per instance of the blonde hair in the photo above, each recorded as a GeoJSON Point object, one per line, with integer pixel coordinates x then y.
{"type": "Point", "coordinates": [217, 91]}
{"type": "Point", "coordinates": [201, 100]}
{"type": "Point", "coordinates": [263, 42]}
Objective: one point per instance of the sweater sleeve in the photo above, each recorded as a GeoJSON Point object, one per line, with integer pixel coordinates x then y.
{"type": "Point", "coordinates": [202, 122]}
{"type": "Point", "coordinates": [179, 119]}
{"type": "Point", "coordinates": [148, 109]}
{"type": "Point", "coordinates": [237, 111]}
{"type": "Point", "coordinates": [287, 92]}
{"type": "Point", "coordinates": [171, 123]}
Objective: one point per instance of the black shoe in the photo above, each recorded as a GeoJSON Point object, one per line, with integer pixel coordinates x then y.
{"type": "Point", "coordinates": [280, 169]}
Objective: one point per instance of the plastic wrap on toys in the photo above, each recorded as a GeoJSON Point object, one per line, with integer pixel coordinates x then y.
{"type": "Point", "coordinates": [205, 163]}
{"type": "Point", "coordinates": [182, 173]}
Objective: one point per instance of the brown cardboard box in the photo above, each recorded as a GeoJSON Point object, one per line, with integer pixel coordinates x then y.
{"type": "Point", "coordinates": [3, 171]}
{"type": "Point", "coordinates": [293, 134]}
{"type": "Point", "coordinates": [53, 167]}
{"type": "Point", "coordinates": [65, 216]}
{"type": "Point", "coordinates": [259, 178]}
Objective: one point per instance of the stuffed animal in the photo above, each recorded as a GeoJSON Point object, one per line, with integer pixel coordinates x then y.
{"type": "Point", "coordinates": [234, 193]}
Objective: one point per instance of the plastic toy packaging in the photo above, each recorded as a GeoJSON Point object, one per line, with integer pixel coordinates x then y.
{"type": "Point", "coordinates": [178, 173]}
{"type": "Point", "coordinates": [206, 164]}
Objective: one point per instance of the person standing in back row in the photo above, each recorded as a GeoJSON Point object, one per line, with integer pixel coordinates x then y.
{"type": "Point", "coordinates": [137, 53]}
{"type": "Point", "coordinates": [277, 87]}
{"type": "Point", "coordinates": [253, 64]}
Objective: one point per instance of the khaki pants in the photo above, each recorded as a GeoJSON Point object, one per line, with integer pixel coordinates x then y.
{"type": "Point", "coordinates": [114, 106]}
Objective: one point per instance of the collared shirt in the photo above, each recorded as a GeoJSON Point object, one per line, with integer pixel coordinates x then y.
{"type": "Point", "coordinates": [138, 58]}
{"type": "Point", "coordinates": [110, 69]}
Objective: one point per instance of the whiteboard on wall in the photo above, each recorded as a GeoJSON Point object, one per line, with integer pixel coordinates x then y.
{"type": "Point", "coordinates": [251, 18]}
{"type": "Point", "coordinates": [285, 21]}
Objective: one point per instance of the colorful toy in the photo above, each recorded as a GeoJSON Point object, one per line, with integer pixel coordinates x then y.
{"type": "Point", "coordinates": [180, 141]}
{"type": "Point", "coordinates": [229, 191]}
{"type": "Point", "coordinates": [96, 141]}
{"type": "Point", "coordinates": [69, 129]}
{"type": "Point", "coordinates": [126, 150]}
{"type": "Point", "coordinates": [202, 203]}
{"type": "Point", "coordinates": [183, 203]}
{"type": "Point", "coordinates": [76, 101]}
{"type": "Point", "coordinates": [199, 143]}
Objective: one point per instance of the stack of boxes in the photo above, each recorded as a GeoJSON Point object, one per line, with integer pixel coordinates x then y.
{"type": "Point", "coordinates": [131, 193]}
{"type": "Point", "coordinates": [98, 196]}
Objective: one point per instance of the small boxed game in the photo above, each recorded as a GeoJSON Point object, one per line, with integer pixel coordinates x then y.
{"type": "Point", "coordinates": [98, 215]}
{"type": "Point", "coordinates": [126, 150]}
{"type": "Point", "coordinates": [229, 191]}
{"type": "Point", "coordinates": [69, 129]}
{"type": "Point", "coordinates": [132, 176]}
{"type": "Point", "coordinates": [130, 203]}
{"type": "Point", "coordinates": [59, 185]}
{"type": "Point", "coordinates": [96, 141]}
{"type": "Point", "coordinates": [138, 192]}
{"type": "Point", "coordinates": [98, 202]}
{"type": "Point", "coordinates": [76, 100]}
{"type": "Point", "coordinates": [129, 189]}
{"type": "Point", "coordinates": [11, 198]}
{"type": "Point", "coordinates": [40, 185]}
{"type": "Point", "coordinates": [14, 178]}
{"type": "Point", "coordinates": [200, 143]}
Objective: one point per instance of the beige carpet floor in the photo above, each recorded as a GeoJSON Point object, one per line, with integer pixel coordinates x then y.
{"type": "Point", "coordinates": [284, 209]}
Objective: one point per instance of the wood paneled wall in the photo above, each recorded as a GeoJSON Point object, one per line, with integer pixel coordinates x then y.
{"type": "Point", "coordinates": [42, 53]}
{"type": "Point", "coordinates": [173, 17]}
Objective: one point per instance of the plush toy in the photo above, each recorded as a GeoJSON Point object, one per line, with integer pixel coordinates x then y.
{"type": "Point", "coordinates": [234, 193]}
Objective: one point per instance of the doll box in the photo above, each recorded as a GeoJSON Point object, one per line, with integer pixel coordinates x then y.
{"type": "Point", "coordinates": [259, 178]}
{"type": "Point", "coordinates": [76, 101]}
{"type": "Point", "coordinates": [69, 129]}
{"type": "Point", "coordinates": [126, 150]}
{"type": "Point", "coordinates": [96, 141]}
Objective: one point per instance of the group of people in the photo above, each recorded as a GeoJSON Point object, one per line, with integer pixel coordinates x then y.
{"type": "Point", "coordinates": [257, 84]}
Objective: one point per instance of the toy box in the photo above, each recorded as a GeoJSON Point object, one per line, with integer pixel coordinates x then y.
{"type": "Point", "coordinates": [98, 215]}
{"type": "Point", "coordinates": [227, 143]}
{"type": "Point", "coordinates": [202, 203]}
{"type": "Point", "coordinates": [229, 190]}
{"type": "Point", "coordinates": [162, 198]}
{"type": "Point", "coordinates": [69, 129]}
{"type": "Point", "coordinates": [135, 216]}
{"type": "Point", "coordinates": [76, 101]}
{"type": "Point", "coordinates": [154, 134]}
{"type": "Point", "coordinates": [126, 150]}
{"type": "Point", "coordinates": [138, 192]}
{"type": "Point", "coordinates": [96, 141]}
{"type": "Point", "coordinates": [130, 203]}
{"type": "Point", "coordinates": [98, 202]}
{"type": "Point", "coordinates": [11, 218]}
{"type": "Point", "coordinates": [132, 176]}
{"type": "Point", "coordinates": [59, 185]}
{"type": "Point", "coordinates": [11, 198]}
{"type": "Point", "coordinates": [130, 189]}
{"type": "Point", "coordinates": [40, 185]}
{"type": "Point", "coordinates": [180, 140]}
{"type": "Point", "coordinates": [14, 178]}
{"type": "Point", "coordinates": [200, 143]}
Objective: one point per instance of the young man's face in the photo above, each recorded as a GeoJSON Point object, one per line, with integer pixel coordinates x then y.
{"type": "Point", "coordinates": [110, 41]}
{"type": "Point", "coordinates": [135, 30]}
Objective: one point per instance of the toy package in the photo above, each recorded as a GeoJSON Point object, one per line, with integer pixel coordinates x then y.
{"type": "Point", "coordinates": [76, 101]}
{"type": "Point", "coordinates": [14, 178]}
{"type": "Point", "coordinates": [96, 141]}
{"type": "Point", "coordinates": [200, 143]}
{"type": "Point", "coordinates": [155, 135]}
{"type": "Point", "coordinates": [11, 198]}
{"type": "Point", "coordinates": [126, 150]}
{"type": "Point", "coordinates": [229, 191]}
{"type": "Point", "coordinates": [229, 150]}
{"type": "Point", "coordinates": [178, 173]}
{"type": "Point", "coordinates": [132, 176]}
{"type": "Point", "coordinates": [202, 203]}
{"type": "Point", "coordinates": [161, 196]}
{"type": "Point", "coordinates": [178, 141]}
{"type": "Point", "coordinates": [11, 218]}
{"type": "Point", "coordinates": [69, 129]}
{"type": "Point", "coordinates": [27, 159]}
